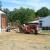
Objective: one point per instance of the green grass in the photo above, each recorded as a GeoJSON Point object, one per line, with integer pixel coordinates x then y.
{"type": "Point", "coordinates": [46, 31]}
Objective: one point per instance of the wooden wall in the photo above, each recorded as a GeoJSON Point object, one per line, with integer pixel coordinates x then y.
{"type": "Point", "coordinates": [4, 22]}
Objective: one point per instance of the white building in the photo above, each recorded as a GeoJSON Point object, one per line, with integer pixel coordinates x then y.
{"type": "Point", "coordinates": [2, 21]}
{"type": "Point", "coordinates": [45, 21]}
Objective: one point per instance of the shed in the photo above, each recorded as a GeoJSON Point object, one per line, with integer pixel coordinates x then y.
{"type": "Point", "coordinates": [3, 21]}
{"type": "Point", "coordinates": [45, 22]}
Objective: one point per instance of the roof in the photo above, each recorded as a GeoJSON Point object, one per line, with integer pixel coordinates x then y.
{"type": "Point", "coordinates": [36, 21]}
{"type": "Point", "coordinates": [1, 12]}
{"type": "Point", "coordinates": [45, 21]}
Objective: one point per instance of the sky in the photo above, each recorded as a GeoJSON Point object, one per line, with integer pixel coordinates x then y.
{"type": "Point", "coordinates": [32, 4]}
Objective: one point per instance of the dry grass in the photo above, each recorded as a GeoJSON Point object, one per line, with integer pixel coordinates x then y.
{"type": "Point", "coordinates": [20, 41]}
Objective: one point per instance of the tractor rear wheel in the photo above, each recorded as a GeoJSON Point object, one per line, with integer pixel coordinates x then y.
{"type": "Point", "coordinates": [36, 32]}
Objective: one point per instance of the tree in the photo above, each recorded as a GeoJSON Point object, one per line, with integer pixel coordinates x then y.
{"type": "Point", "coordinates": [6, 10]}
{"type": "Point", "coordinates": [43, 12]}
{"type": "Point", "coordinates": [22, 15]}
{"type": "Point", "coordinates": [26, 15]}
{"type": "Point", "coordinates": [49, 12]}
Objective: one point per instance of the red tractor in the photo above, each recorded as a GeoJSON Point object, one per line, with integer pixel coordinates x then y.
{"type": "Point", "coordinates": [30, 28]}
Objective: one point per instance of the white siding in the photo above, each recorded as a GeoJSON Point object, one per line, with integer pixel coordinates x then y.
{"type": "Point", "coordinates": [46, 21]}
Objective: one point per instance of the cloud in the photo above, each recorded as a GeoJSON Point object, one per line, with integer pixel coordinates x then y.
{"type": "Point", "coordinates": [36, 4]}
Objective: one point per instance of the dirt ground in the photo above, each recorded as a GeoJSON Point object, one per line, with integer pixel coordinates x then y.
{"type": "Point", "coordinates": [21, 41]}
